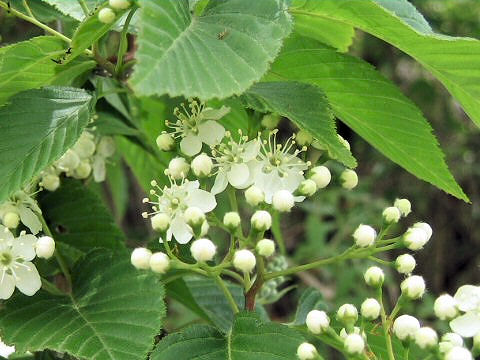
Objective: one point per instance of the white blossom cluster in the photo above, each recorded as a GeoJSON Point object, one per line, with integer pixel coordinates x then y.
{"type": "Point", "coordinates": [87, 157]}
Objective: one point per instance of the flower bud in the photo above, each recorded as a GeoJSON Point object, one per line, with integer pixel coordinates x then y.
{"type": "Point", "coordinates": [364, 236]}
{"type": "Point", "coordinates": [202, 165]}
{"type": "Point", "coordinates": [140, 258]}
{"type": "Point", "coordinates": [448, 341]}
{"type": "Point", "coordinates": [391, 215]}
{"type": "Point", "coordinates": [356, 330]}
{"type": "Point", "coordinates": [165, 142]}
{"type": "Point", "coordinates": [11, 220]}
{"type": "Point", "coordinates": [458, 353]}
{"type": "Point", "coordinates": [254, 195]}
{"type": "Point", "coordinates": [160, 222]}
{"type": "Point", "coordinates": [425, 227]}
{"type": "Point", "coordinates": [404, 206]}
{"type": "Point", "coordinates": [159, 262]}
{"type": "Point", "coordinates": [349, 179]}
{"type": "Point", "coordinates": [231, 220]}
{"type": "Point", "coordinates": [85, 146]}
{"type": "Point", "coordinates": [194, 216]}
{"type": "Point", "coordinates": [413, 287]}
{"type": "Point", "coordinates": [317, 321]}
{"type": "Point", "coordinates": [405, 264]}
{"type": "Point", "coordinates": [203, 250]}
{"type": "Point", "coordinates": [119, 4]}
{"type": "Point", "coordinates": [45, 247]}
{"type": "Point", "coordinates": [270, 121]}
{"type": "Point", "coordinates": [204, 229]}
{"type": "Point", "coordinates": [50, 182]}
{"type": "Point", "coordinates": [106, 146]}
{"type": "Point", "coordinates": [306, 351]}
{"type": "Point", "coordinates": [354, 344]}
{"type": "Point", "coordinates": [307, 187]}
{"type": "Point", "coordinates": [347, 314]}
{"type": "Point", "coordinates": [370, 309]}
{"type": "Point", "coordinates": [303, 138]}
{"type": "Point", "coordinates": [69, 161]}
{"type": "Point", "coordinates": [178, 168]}
{"type": "Point", "coordinates": [415, 238]}
{"type": "Point", "coordinates": [83, 170]}
{"type": "Point", "coordinates": [244, 260]}
{"type": "Point", "coordinates": [445, 307]}
{"type": "Point", "coordinates": [426, 338]}
{"type": "Point", "coordinates": [106, 15]}
{"type": "Point", "coordinates": [261, 220]}
{"type": "Point", "coordinates": [374, 276]}
{"type": "Point", "coordinates": [265, 247]}
{"type": "Point", "coordinates": [283, 201]}
{"type": "Point", "coordinates": [321, 175]}
{"type": "Point", "coordinates": [405, 327]}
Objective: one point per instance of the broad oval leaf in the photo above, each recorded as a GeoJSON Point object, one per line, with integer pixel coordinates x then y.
{"type": "Point", "coordinates": [249, 339]}
{"type": "Point", "coordinates": [36, 128]}
{"type": "Point", "coordinates": [113, 313]}
{"type": "Point", "coordinates": [216, 54]}
{"type": "Point", "coordinates": [371, 105]}
{"type": "Point", "coordinates": [73, 8]}
{"type": "Point", "coordinates": [454, 61]}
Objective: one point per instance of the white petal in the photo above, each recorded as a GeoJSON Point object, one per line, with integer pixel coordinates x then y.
{"type": "Point", "coordinates": [180, 229]}
{"type": "Point", "coordinates": [27, 279]}
{"type": "Point", "coordinates": [191, 145]}
{"type": "Point", "coordinates": [215, 114]}
{"type": "Point", "coordinates": [252, 148]}
{"type": "Point", "coordinates": [202, 199]}
{"type": "Point", "coordinates": [468, 297]}
{"type": "Point", "coordinates": [220, 184]}
{"type": "Point", "coordinates": [24, 246]}
{"type": "Point", "coordinates": [29, 219]}
{"type": "Point", "coordinates": [7, 286]}
{"type": "Point", "coordinates": [6, 235]}
{"type": "Point", "coordinates": [292, 181]}
{"type": "Point", "coordinates": [211, 132]}
{"type": "Point", "coordinates": [238, 175]}
{"type": "Point", "coordinates": [99, 170]}
{"type": "Point", "coordinates": [467, 325]}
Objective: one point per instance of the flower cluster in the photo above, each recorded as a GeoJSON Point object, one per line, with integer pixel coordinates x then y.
{"type": "Point", "coordinates": [21, 207]}
{"type": "Point", "coordinates": [88, 156]}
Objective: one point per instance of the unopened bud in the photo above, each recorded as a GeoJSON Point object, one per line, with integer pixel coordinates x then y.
{"type": "Point", "coordinates": [364, 236]}
{"type": "Point", "coordinates": [231, 220]}
{"type": "Point", "coordinates": [119, 4]}
{"type": "Point", "coordinates": [159, 262]}
{"type": "Point", "coordinates": [303, 138]}
{"type": "Point", "coordinates": [50, 182]}
{"type": "Point", "coordinates": [425, 227]}
{"type": "Point", "coordinates": [307, 187]}
{"type": "Point", "coordinates": [178, 168]}
{"type": "Point", "coordinates": [405, 327]}
{"type": "Point", "coordinates": [426, 338]}
{"type": "Point", "coordinates": [254, 195]}
{"type": "Point", "coordinates": [261, 220]}
{"type": "Point", "coordinates": [160, 222]}
{"type": "Point", "coordinates": [415, 238]}
{"type": "Point", "coordinates": [270, 121]}
{"type": "Point", "coordinates": [203, 250]}
{"type": "Point", "coordinates": [374, 276]}
{"type": "Point", "coordinates": [11, 220]}
{"type": "Point", "coordinates": [354, 344]}
{"type": "Point", "coordinates": [244, 260]}
{"type": "Point", "coordinates": [445, 307]}
{"type": "Point", "coordinates": [283, 201]}
{"type": "Point", "coordinates": [202, 165]}
{"type": "Point", "coordinates": [449, 341]}
{"type": "Point", "coordinates": [404, 206]}
{"type": "Point", "coordinates": [413, 287]}
{"type": "Point", "coordinates": [370, 309]}
{"type": "Point", "coordinates": [140, 258]}
{"type": "Point", "coordinates": [317, 321]}
{"type": "Point", "coordinates": [347, 314]}
{"type": "Point", "coordinates": [321, 175]}
{"type": "Point", "coordinates": [391, 215]}
{"type": "Point", "coordinates": [106, 15]}
{"type": "Point", "coordinates": [405, 264]}
{"type": "Point", "coordinates": [458, 353]}
{"type": "Point", "coordinates": [45, 247]}
{"type": "Point", "coordinates": [165, 142]}
{"type": "Point", "coordinates": [194, 216]}
{"type": "Point", "coordinates": [83, 170]}
{"type": "Point", "coordinates": [349, 179]}
{"type": "Point", "coordinates": [306, 351]}
{"type": "Point", "coordinates": [265, 247]}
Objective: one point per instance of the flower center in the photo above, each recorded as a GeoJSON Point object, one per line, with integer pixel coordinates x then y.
{"type": "Point", "coordinates": [6, 258]}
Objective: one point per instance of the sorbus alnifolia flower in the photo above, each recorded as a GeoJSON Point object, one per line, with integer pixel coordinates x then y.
{"type": "Point", "coordinates": [347, 314]}
{"type": "Point", "coordinates": [45, 247]}
{"type": "Point", "coordinates": [119, 4]}
{"type": "Point", "coordinates": [106, 15]}
{"type": "Point", "coordinates": [178, 168]}
{"type": "Point", "coordinates": [413, 287]}
{"type": "Point", "coordinates": [405, 264]}
{"type": "Point", "coordinates": [283, 201]}
{"type": "Point", "coordinates": [261, 220]}
{"type": "Point", "coordinates": [306, 351]}
{"type": "Point", "coordinates": [244, 260]}
{"type": "Point", "coordinates": [425, 227]}
{"type": "Point", "coordinates": [202, 165]}
{"type": "Point", "coordinates": [374, 276]}
{"type": "Point", "coordinates": [405, 327]}
{"type": "Point", "coordinates": [349, 179]}
{"type": "Point", "coordinates": [203, 250]}
{"type": "Point", "coordinates": [370, 309]}
{"type": "Point", "coordinates": [254, 195]}
{"type": "Point", "coordinates": [426, 338]}
{"type": "Point", "coordinates": [415, 238]}
{"type": "Point", "coordinates": [354, 344]}
{"type": "Point", "coordinates": [231, 220]}
{"type": "Point", "coordinates": [445, 307]}
{"type": "Point", "coordinates": [404, 206]}
{"type": "Point", "coordinates": [159, 262]}
{"type": "Point", "coordinates": [317, 321]}
{"type": "Point", "coordinates": [321, 176]}
{"type": "Point", "coordinates": [364, 235]}
{"type": "Point", "coordinates": [165, 142]}
{"type": "Point", "coordinates": [50, 182]}
{"type": "Point", "coordinates": [391, 215]}
{"type": "Point", "coordinates": [194, 216]}
{"type": "Point", "coordinates": [140, 258]}
{"type": "Point", "coordinates": [265, 247]}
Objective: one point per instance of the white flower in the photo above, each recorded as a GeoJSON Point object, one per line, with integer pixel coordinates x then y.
{"type": "Point", "coordinates": [321, 175]}
{"type": "Point", "coordinates": [349, 179]}
{"type": "Point", "coordinates": [415, 238]}
{"type": "Point", "coordinates": [202, 165]}
{"type": "Point", "coordinates": [265, 247]}
{"type": "Point", "coordinates": [26, 208]}
{"type": "Point", "coordinates": [317, 321]}
{"type": "Point", "coordinates": [85, 145]}
{"type": "Point", "coordinates": [174, 200]}
{"type": "Point", "coordinates": [50, 181]}
{"type": "Point", "coordinates": [370, 309]}
{"type": "Point", "coordinates": [165, 142]}
{"type": "Point", "coordinates": [16, 267]}
{"type": "Point", "coordinates": [106, 15]}
{"type": "Point", "coordinates": [279, 168]}
{"type": "Point", "coordinates": [198, 126]}
{"type": "Point", "coordinates": [261, 220]}
{"type": "Point", "coordinates": [306, 351]}
{"type": "Point", "coordinates": [254, 195]}
{"type": "Point", "coordinates": [68, 162]}
{"type": "Point", "coordinates": [231, 220]}
{"type": "Point", "coordinates": [140, 258]}
{"type": "Point", "coordinates": [405, 327]}
{"type": "Point", "coordinates": [354, 344]}
{"type": "Point", "coordinates": [405, 264]}
{"type": "Point", "coordinates": [6, 350]}
{"type": "Point", "coordinates": [391, 215]}
{"type": "Point", "coordinates": [458, 353]}
{"type": "Point", "coordinates": [413, 287]}
{"type": "Point", "coordinates": [467, 299]}
{"type": "Point", "coordinates": [159, 262]}
{"type": "Point", "coordinates": [119, 4]}
{"type": "Point", "coordinates": [203, 250]}
{"type": "Point", "coordinates": [45, 247]}
{"type": "Point", "coordinates": [178, 168]}
{"type": "Point", "coordinates": [466, 325]}
{"type": "Point", "coordinates": [347, 313]}
{"type": "Point", "coordinates": [235, 162]}
{"type": "Point", "coordinates": [364, 235]}
{"type": "Point", "coordinates": [445, 307]}
{"type": "Point", "coordinates": [426, 337]}
{"type": "Point", "coordinates": [283, 201]}
{"type": "Point", "coordinates": [374, 276]}
{"type": "Point", "coordinates": [244, 260]}
{"type": "Point", "coordinates": [83, 170]}
{"type": "Point", "coordinates": [404, 206]}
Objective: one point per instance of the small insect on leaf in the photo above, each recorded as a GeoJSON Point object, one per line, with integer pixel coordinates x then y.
{"type": "Point", "coordinates": [223, 34]}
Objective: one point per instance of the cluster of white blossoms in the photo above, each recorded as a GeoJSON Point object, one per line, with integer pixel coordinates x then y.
{"type": "Point", "coordinates": [88, 156]}
{"type": "Point", "coordinates": [21, 207]}
{"type": "Point", "coordinates": [16, 267]}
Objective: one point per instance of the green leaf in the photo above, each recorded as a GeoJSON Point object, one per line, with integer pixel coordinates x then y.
{"type": "Point", "coordinates": [304, 104]}
{"type": "Point", "coordinates": [113, 313]}
{"type": "Point", "coordinates": [72, 8]}
{"type": "Point", "coordinates": [218, 54]}
{"type": "Point", "coordinates": [311, 299]}
{"type": "Point", "coordinates": [454, 61]}
{"type": "Point", "coordinates": [371, 105]}
{"type": "Point", "coordinates": [249, 339]}
{"type": "Point", "coordinates": [36, 128]}
{"type": "Point", "coordinates": [79, 219]}
{"type": "Point", "coordinates": [28, 64]}
{"type": "Point", "coordinates": [110, 124]}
